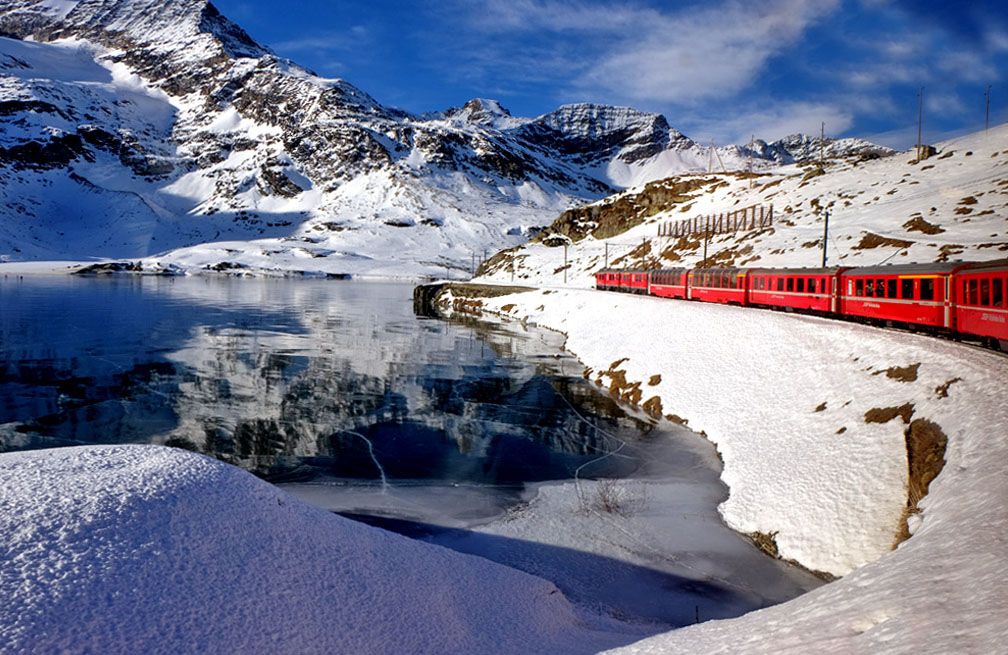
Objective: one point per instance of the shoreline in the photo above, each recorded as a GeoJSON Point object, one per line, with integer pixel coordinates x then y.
{"type": "Point", "coordinates": [772, 441]}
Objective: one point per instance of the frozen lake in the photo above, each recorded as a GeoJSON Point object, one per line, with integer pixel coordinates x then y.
{"type": "Point", "coordinates": [462, 434]}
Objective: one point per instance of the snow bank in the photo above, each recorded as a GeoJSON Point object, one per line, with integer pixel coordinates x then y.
{"type": "Point", "coordinates": [753, 380]}
{"type": "Point", "coordinates": [143, 548]}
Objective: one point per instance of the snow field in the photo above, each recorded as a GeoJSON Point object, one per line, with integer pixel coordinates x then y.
{"type": "Point", "coordinates": [143, 548]}
{"type": "Point", "coordinates": [752, 380]}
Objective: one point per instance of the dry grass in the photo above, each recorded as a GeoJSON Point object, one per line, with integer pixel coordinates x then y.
{"type": "Point", "coordinates": [942, 390]}
{"type": "Point", "coordinates": [766, 541]}
{"type": "Point", "coordinates": [653, 406]}
{"type": "Point", "coordinates": [925, 444]}
{"type": "Point", "coordinates": [901, 373]}
{"type": "Point", "coordinates": [871, 240]}
{"type": "Point", "coordinates": [918, 224]}
{"type": "Point", "coordinates": [886, 414]}
{"type": "Point", "coordinates": [613, 496]}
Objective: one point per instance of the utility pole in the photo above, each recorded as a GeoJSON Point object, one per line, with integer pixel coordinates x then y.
{"type": "Point", "coordinates": [706, 237]}
{"type": "Point", "coordinates": [752, 138]}
{"type": "Point", "coordinates": [822, 145]}
{"type": "Point", "coordinates": [565, 263]}
{"type": "Point", "coordinates": [987, 108]}
{"type": "Point", "coordinates": [606, 255]}
{"type": "Point", "coordinates": [825, 236]}
{"type": "Point", "coordinates": [920, 122]}
{"type": "Point", "coordinates": [472, 266]}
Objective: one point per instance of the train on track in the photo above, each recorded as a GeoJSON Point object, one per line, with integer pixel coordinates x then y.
{"type": "Point", "coordinates": [957, 299]}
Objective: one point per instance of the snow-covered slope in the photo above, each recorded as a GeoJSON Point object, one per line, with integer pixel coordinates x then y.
{"type": "Point", "coordinates": [808, 466]}
{"type": "Point", "coordinates": [150, 549]}
{"type": "Point", "coordinates": [133, 128]}
{"type": "Point", "coordinates": [953, 205]}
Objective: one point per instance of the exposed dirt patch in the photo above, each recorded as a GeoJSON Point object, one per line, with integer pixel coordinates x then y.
{"type": "Point", "coordinates": [925, 444]}
{"type": "Point", "coordinates": [767, 542]}
{"type": "Point", "coordinates": [901, 373]}
{"type": "Point", "coordinates": [638, 253]}
{"type": "Point", "coordinates": [678, 420]}
{"type": "Point", "coordinates": [948, 251]}
{"type": "Point", "coordinates": [842, 429]}
{"type": "Point", "coordinates": [968, 200]}
{"type": "Point", "coordinates": [942, 390]}
{"type": "Point", "coordinates": [962, 211]}
{"type": "Point", "coordinates": [871, 240]}
{"type": "Point", "coordinates": [609, 218]}
{"type": "Point", "coordinates": [654, 380]}
{"type": "Point", "coordinates": [886, 414]}
{"type": "Point", "coordinates": [821, 407]}
{"type": "Point", "coordinates": [508, 307]}
{"type": "Point", "coordinates": [653, 406]}
{"type": "Point", "coordinates": [918, 224]}
{"type": "Point", "coordinates": [725, 258]}
{"type": "Point", "coordinates": [682, 244]}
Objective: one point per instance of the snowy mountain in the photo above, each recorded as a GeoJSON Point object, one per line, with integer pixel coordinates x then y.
{"type": "Point", "coordinates": [160, 129]}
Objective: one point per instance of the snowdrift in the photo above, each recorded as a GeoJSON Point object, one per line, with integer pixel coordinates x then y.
{"type": "Point", "coordinates": [150, 549]}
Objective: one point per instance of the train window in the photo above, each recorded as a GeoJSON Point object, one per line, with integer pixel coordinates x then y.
{"type": "Point", "coordinates": [927, 289]}
{"type": "Point", "coordinates": [906, 290]}
{"type": "Point", "coordinates": [891, 291]}
{"type": "Point", "coordinates": [790, 284]}
{"type": "Point", "coordinates": [780, 284]}
{"type": "Point", "coordinates": [985, 292]}
{"type": "Point", "coordinates": [997, 297]}
{"type": "Point", "coordinates": [869, 288]}
{"type": "Point", "coordinates": [801, 285]}
{"type": "Point", "coordinates": [971, 292]}
{"type": "Point", "coordinates": [859, 287]}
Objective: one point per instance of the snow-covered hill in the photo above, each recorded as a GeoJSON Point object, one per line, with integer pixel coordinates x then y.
{"type": "Point", "coordinates": [952, 205]}
{"type": "Point", "coordinates": [138, 128]}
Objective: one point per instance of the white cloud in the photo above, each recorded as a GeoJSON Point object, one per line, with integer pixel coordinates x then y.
{"type": "Point", "coordinates": [772, 122]}
{"type": "Point", "coordinates": [632, 53]}
{"type": "Point", "coordinates": [709, 53]}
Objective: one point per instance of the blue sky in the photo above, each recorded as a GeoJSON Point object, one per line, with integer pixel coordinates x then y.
{"type": "Point", "coordinates": [720, 69]}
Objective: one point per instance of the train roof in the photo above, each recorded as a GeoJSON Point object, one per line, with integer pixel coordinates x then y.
{"type": "Point", "coordinates": [907, 269]}
{"type": "Point", "coordinates": [622, 270]}
{"type": "Point", "coordinates": [994, 264]}
{"type": "Point", "coordinates": [798, 271]}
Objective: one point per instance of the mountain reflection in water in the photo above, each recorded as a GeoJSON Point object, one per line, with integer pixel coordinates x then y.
{"type": "Point", "coordinates": [295, 379]}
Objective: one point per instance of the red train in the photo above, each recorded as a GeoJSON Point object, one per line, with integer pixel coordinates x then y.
{"type": "Point", "coordinates": [961, 298]}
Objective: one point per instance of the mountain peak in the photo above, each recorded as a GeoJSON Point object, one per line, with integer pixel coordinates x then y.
{"type": "Point", "coordinates": [484, 112]}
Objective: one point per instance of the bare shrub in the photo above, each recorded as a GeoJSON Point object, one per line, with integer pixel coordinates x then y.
{"type": "Point", "coordinates": [612, 496]}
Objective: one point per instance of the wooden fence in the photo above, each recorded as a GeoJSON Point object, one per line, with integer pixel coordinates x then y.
{"type": "Point", "coordinates": [750, 218]}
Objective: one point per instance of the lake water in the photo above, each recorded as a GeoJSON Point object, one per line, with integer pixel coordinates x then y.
{"type": "Point", "coordinates": [307, 381]}
{"type": "Point", "coordinates": [338, 393]}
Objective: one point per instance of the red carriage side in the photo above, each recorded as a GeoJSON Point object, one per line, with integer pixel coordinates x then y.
{"type": "Point", "coordinates": [981, 300]}
{"type": "Point", "coordinates": [810, 289]}
{"type": "Point", "coordinates": [721, 285]}
{"type": "Point", "coordinates": [670, 282]}
{"type": "Point", "coordinates": [918, 294]}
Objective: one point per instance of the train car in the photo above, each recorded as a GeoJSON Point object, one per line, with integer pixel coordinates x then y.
{"type": "Point", "coordinates": [981, 301]}
{"type": "Point", "coordinates": [806, 289]}
{"type": "Point", "coordinates": [670, 282]}
{"type": "Point", "coordinates": [607, 279]}
{"type": "Point", "coordinates": [721, 285]}
{"type": "Point", "coordinates": [918, 294]}
{"type": "Point", "coordinates": [634, 281]}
